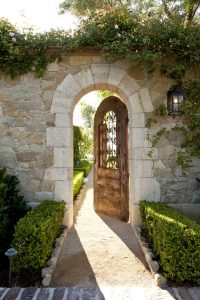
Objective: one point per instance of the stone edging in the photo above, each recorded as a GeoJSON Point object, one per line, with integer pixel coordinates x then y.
{"type": "Point", "coordinates": [47, 271]}
{"type": "Point", "coordinates": [160, 280]}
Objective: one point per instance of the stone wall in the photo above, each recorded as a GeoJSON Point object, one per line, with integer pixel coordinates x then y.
{"type": "Point", "coordinates": [36, 132]}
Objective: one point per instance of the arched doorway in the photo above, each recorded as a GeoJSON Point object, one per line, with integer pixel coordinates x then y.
{"type": "Point", "coordinates": [111, 159]}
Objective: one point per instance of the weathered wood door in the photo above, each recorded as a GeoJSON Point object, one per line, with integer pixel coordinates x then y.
{"type": "Point", "coordinates": [111, 159]}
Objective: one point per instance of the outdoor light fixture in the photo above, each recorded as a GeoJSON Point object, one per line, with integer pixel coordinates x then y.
{"type": "Point", "coordinates": [10, 253]}
{"type": "Point", "coordinates": [174, 101]}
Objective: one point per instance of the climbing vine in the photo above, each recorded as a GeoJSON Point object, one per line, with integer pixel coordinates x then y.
{"type": "Point", "coordinates": [190, 130]}
{"type": "Point", "coordinates": [154, 44]}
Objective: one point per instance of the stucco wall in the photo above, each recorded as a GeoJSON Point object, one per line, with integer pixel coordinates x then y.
{"type": "Point", "coordinates": [36, 132]}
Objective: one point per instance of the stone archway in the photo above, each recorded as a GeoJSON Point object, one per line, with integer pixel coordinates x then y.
{"type": "Point", "coordinates": [142, 184]}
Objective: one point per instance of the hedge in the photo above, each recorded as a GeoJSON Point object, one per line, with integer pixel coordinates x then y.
{"type": "Point", "coordinates": [35, 234]}
{"type": "Point", "coordinates": [12, 207]}
{"type": "Point", "coordinates": [77, 182]}
{"type": "Point", "coordinates": [175, 240]}
{"type": "Point", "coordinates": [84, 166]}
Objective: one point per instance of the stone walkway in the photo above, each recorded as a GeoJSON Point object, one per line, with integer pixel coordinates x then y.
{"type": "Point", "coordinates": [103, 293]}
{"type": "Point", "coordinates": [100, 250]}
{"type": "Point", "coordinates": [100, 259]}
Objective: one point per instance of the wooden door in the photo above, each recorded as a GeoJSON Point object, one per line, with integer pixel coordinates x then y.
{"type": "Point", "coordinates": [111, 159]}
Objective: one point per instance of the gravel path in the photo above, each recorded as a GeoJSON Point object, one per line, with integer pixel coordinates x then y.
{"type": "Point", "coordinates": [100, 250]}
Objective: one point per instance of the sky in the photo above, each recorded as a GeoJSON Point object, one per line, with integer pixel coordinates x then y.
{"type": "Point", "coordinates": [42, 14]}
{"type": "Point", "coordinates": [91, 99]}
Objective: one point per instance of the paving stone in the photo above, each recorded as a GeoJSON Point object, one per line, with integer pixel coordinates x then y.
{"type": "Point", "coordinates": [73, 294]}
{"type": "Point", "coordinates": [58, 293]}
{"type": "Point", "coordinates": [183, 292]}
{"type": "Point", "coordinates": [43, 294]}
{"type": "Point", "coordinates": [3, 292]}
{"type": "Point", "coordinates": [13, 293]}
{"type": "Point", "coordinates": [89, 294]}
{"type": "Point", "coordinates": [194, 293]}
{"type": "Point", "coordinates": [28, 293]}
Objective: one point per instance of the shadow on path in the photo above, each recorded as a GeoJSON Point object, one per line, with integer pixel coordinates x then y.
{"type": "Point", "coordinates": [120, 228]}
{"type": "Point", "coordinates": [73, 268]}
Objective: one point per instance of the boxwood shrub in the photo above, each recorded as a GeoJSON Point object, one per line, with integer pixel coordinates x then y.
{"type": "Point", "coordinates": [35, 234]}
{"type": "Point", "coordinates": [175, 240]}
{"type": "Point", "coordinates": [84, 166]}
{"type": "Point", "coordinates": [77, 182]}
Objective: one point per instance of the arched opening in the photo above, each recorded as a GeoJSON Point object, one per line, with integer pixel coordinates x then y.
{"type": "Point", "coordinates": [111, 196]}
{"type": "Point", "coordinates": [110, 151]}
{"type": "Point", "coordinates": [142, 183]}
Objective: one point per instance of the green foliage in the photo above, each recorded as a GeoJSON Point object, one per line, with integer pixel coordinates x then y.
{"type": "Point", "coordinates": [87, 113]}
{"type": "Point", "coordinates": [84, 166]}
{"type": "Point", "coordinates": [83, 144]}
{"type": "Point", "coordinates": [150, 121]}
{"type": "Point", "coordinates": [24, 52]}
{"type": "Point", "coordinates": [77, 182]}
{"type": "Point", "coordinates": [86, 7]}
{"type": "Point", "coordinates": [86, 144]}
{"type": "Point", "coordinates": [183, 161]}
{"type": "Point", "coordinates": [191, 110]}
{"type": "Point", "coordinates": [180, 12]}
{"type": "Point", "coordinates": [158, 136]}
{"type": "Point", "coordinates": [12, 207]}
{"type": "Point", "coordinates": [161, 110]}
{"type": "Point", "coordinates": [175, 240]}
{"type": "Point", "coordinates": [35, 235]}
{"type": "Point", "coordinates": [77, 140]}
{"type": "Point", "coordinates": [117, 31]}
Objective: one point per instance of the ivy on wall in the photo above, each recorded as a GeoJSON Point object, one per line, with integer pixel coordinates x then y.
{"type": "Point", "coordinates": [156, 44]}
{"type": "Point", "coordinates": [190, 130]}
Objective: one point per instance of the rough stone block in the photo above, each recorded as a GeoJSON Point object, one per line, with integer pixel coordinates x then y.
{"type": "Point", "coordinates": [59, 137]}
{"type": "Point", "coordinates": [64, 120]}
{"type": "Point", "coordinates": [27, 156]}
{"type": "Point", "coordinates": [69, 86]}
{"type": "Point", "coordinates": [139, 138]}
{"type": "Point", "coordinates": [80, 60]}
{"type": "Point", "coordinates": [84, 78]}
{"type": "Point", "coordinates": [64, 190]}
{"type": "Point", "coordinates": [141, 168]}
{"type": "Point", "coordinates": [128, 85]}
{"type": "Point", "coordinates": [167, 152]}
{"type": "Point", "coordinates": [53, 67]}
{"type": "Point", "coordinates": [160, 170]}
{"type": "Point", "coordinates": [115, 76]}
{"type": "Point", "coordinates": [145, 188]}
{"type": "Point", "coordinates": [57, 173]}
{"type": "Point", "coordinates": [137, 120]}
{"type": "Point", "coordinates": [36, 138]}
{"type": "Point", "coordinates": [100, 72]}
{"type": "Point", "coordinates": [122, 63]}
{"type": "Point", "coordinates": [143, 153]}
{"type": "Point", "coordinates": [63, 157]}
{"type": "Point", "coordinates": [146, 100]}
{"type": "Point", "coordinates": [61, 103]}
{"type": "Point", "coordinates": [41, 196]}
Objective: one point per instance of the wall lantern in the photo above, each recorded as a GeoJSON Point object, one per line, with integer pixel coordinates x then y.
{"type": "Point", "coordinates": [174, 101]}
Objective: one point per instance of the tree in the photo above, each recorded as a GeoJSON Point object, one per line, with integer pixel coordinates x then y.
{"type": "Point", "coordinates": [86, 7]}
{"type": "Point", "coordinates": [102, 94]}
{"type": "Point", "coordinates": [88, 112]}
{"type": "Point", "coordinates": [184, 12]}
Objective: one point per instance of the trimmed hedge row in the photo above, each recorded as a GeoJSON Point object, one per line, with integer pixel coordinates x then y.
{"type": "Point", "coordinates": [84, 166]}
{"type": "Point", "coordinates": [175, 239]}
{"type": "Point", "coordinates": [35, 234]}
{"type": "Point", "coordinates": [77, 182]}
